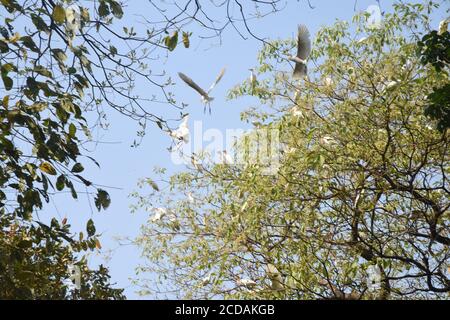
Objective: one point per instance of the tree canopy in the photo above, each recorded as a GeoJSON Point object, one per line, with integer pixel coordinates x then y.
{"type": "Point", "coordinates": [65, 65]}
{"type": "Point", "coordinates": [358, 207]}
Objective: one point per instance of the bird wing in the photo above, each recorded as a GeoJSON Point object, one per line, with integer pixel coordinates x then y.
{"type": "Point", "coordinates": [219, 77]}
{"type": "Point", "coordinates": [303, 42]}
{"type": "Point", "coordinates": [192, 84]}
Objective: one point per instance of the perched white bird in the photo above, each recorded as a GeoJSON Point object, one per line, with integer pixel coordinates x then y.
{"type": "Point", "coordinates": [252, 79]}
{"type": "Point", "coordinates": [275, 277]}
{"type": "Point", "coordinates": [73, 21]}
{"type": "Point", "coordinates": [195, 163]}
{"type": "Point", "coordinates": [248, 283]}
{"type": "Point", "coordinates": [206, 98]}
{"type": "Point", "coordinates": [362, 39]}
{"type": "Point", "coordinates": [296, 112]}
{"type": "Point", "coordinates": [159, 214]}
{"type": "Point", "coordinates": [303, 51]}
{"type": "Point", "coordinates": [206, 280]}
{"type": "Point", "coordinates": [443, 26]}
{"type": "Point", "coordinates": [326, 140]}
{"type": "Point", "coordinates": [225, 158]}
{"type": "Point", "coordinates": [390, 85]}
{"type": "Point", "coordinates": [328, 81]}
{"type": "Point", "coordinates": [190, 197]}
{"type": "Point", "coordinates": [182, 133]}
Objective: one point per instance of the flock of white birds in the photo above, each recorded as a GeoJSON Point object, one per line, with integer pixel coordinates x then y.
{"type": "Point", "coordinates": [181, 135]}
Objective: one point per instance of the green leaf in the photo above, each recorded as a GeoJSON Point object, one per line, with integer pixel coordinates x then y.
{"type": "Point", "coordinates": [60, 182]}
{"type": "Point", "coordinates": [171, 41]}
{"type": "Point", "coordinates": [47, 168]}
{"type": "Point", "coordinates": [153, 184]}
{"type": "Point", "coordinates": [103, 9]}
{"type": "Point", "coordinates": [8, 82]}
{"type": "Point", "coordinates": [90, 228]}
{"type": "Point", "coordinates": [102, 200]}
{"type": "Point", "coordinates": [72, 130]}
{"type": "Point", "coordinates": [116, 9]}
{"type": "Point", "coordinates": [38, 106]}
{"type": "Point", "coordinates": [39, 23]}
{"type": "Point", "coordinates": [186, 39]}
{"type": "Point", "coordinates": [77, 168]}
{"type": "Point", "coordinates": [3, 47]}
{"type": "Point", "coordinates": [59, 14]}
{"type": "Point", "coordinates": [43, 71]}
{"type": "Point", "coordinates": [28, 42]}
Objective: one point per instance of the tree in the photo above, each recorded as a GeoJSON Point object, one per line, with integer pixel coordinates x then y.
{"type": "Point", "coordinates": [435, 50]}
{"type": "Point", "coordinates": [60, 61]}
{"type": "Point", "coordinates": [358, 207]}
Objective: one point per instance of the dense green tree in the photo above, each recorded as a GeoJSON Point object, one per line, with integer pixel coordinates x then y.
{"type": "Point", "coordinates": [435, 50]}
{"type": "Point", "coordinates": [358, 207]}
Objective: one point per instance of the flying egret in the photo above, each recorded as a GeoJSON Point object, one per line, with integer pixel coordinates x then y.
{"type": "Point", "coordinates": [252, 79]}
{"type": "Point", "coordinates": [443, 26]}
{"type": "Point", "coordinates": [303, 51]}
{"type": "Point", "coordinates": [206, 98]}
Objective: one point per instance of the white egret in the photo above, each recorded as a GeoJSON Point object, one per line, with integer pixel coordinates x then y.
{"type": "Point", "coordinates": [275, 277]}
{"type": "Point", "coordinates": [327, 140]}
{"type": "Point", "coordinates": [362, 39]}
{"type": "Point", "coordinates": [206, 98]}
{"type": "Point", "coordinates": [159, 214]}
{"type": "Point", "coordinates": [73, 21]}
{"type": "Point", "coordinates": [390, 85]}
{"type": "Point", "coordinates": [225, 158]}
{"type": "Point", "coordinates": [303, 51]}
{"type": "Point", "coordinates": [296, 112]}
{"type": "Point", "coordinates": [206, 280]}
{"type": "Point", "coordinates": [248, 283]}
{"type": "Point", "coordinates": [190, 197]}
{"type": "Point", "coordinates": [182, 133]}
{"type": "Point", "coordinates": [328, 81]}
{"type": "Point", "coordinates": [252, 79]}
{"type": "Point", "coordinates": [443, 26]}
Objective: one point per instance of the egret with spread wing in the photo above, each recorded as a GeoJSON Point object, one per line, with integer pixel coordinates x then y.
{"type": "Point", "coordinates": [303, 51]}
{"type": "Point", "coordinates": [206, 98]}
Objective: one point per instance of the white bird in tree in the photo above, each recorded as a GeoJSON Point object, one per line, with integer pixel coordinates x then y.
{"type": "Point", "coordinates": [275, 277]}
{"type": "Point", "coordinates": [303, 51]}
{"type": "Point", "coordinates": [73, 21]}
{"type": "Point", "coordinates": [159, 214]}
{"type": "Point", "coordinates": [182, 133]}
{"type": "Point", "coordinates": [225, 157]}
{"type": "Point", "coordinates": [248, 283]}
{"type": "Point", "coordinates": [206, 98]}
{"type": "Point", "coordinates": [443, 26]}
{"type": "Point", "coordinates": [252, 79]}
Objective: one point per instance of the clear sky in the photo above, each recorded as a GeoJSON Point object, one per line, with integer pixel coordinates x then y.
{"type": "Point", "coordinates": [122, 166]}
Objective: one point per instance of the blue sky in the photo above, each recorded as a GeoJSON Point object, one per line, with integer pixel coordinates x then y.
{"type": "Point", "coordinates": [122, 166]}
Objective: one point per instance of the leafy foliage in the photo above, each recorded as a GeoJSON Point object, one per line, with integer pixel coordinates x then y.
{"type": "Point", "coordinates": [435, 50]}
{"type": "Point", "coordinates": [45, 73]}
{"type": "Point", "coordinates": [362, 182]}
